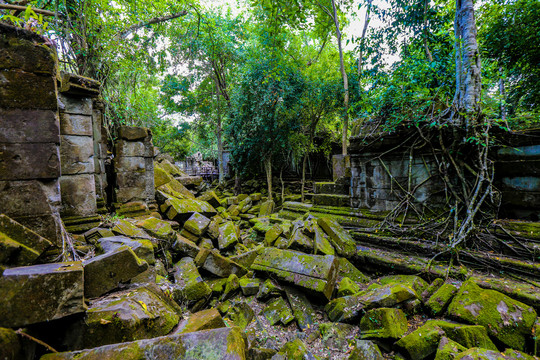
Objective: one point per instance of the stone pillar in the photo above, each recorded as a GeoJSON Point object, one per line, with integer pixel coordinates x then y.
{"type": "Point", "coordinates": [341, 165]}
{"type": "Point", "coordinates": [77, 183]}
{"type": "Point", "coordinates": [100, 154]}
{"type": "Point", "coordinates": [134, 171]}
{"type": "Point", "coordinates": [29, 133]}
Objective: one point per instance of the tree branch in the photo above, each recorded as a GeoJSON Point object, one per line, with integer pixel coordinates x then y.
{"type": "Point", "coordinates": [152, 21]}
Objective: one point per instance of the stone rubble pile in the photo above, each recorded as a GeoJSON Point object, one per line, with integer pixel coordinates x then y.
{"type": "Point", "coordinates": [218, 276]}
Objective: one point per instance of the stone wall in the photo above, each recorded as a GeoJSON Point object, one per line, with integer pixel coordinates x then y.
{"type": "Point", "coordinates": [29, 132]}
{"type": "Point", "coordinates": [134, 166]}
{"type": "Point", "coordinates": [517, 171]}
{"type": "Point", "coordinates": [380, 178]}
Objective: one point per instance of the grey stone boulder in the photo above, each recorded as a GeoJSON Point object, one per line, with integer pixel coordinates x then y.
{"type": "Point", "coordinates": [342, 242]}
{"type": "Point", "coordinates": [143, 248]}
{"type": "Point", "coordinates": [197, 224]}
{"type": "Point", "coordinates": [191, 287]}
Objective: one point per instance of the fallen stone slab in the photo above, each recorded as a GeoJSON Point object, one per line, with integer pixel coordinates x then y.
{"type": "Point", "coordinates": [342, 242]}
{"type": "Point", "coordinates": [201, 320]}
{"type": "Point", "coordinates": [197, 224]}
{"type": "Point", "coordinates": [267, 208]}
{"type": "Point", "coordinates": [125, 228]}
{"type": "Point", "coordinates": [384, 323]}
{"type": "Point", "coordinates": [247, 258]}
{"type": "Point", "coordinates": [321, 243]}
{"type": "Point", "coordinates": [240, 314]}
{"type": "Point", "coordinates": [209, 260]}
{"type": "Point", "coordinates": [249, 286]}
{"type": "Point", "coordinates": [347, 287]}
{"type": "Point", "coordinates": [157, 228]}
{"type": "Point", "coordinates": [191, 286]}
{"type": "Point", "coordinates": [223, 343]}
{"type": "Point", "coordinates": [483, 354]}
{"type": "Point", "coordinates": [143, 248]}
{"type": "Point", "coordinates": [301, 308]}
{"type": "Point", "coordinates": [448, 349]}
{"type": "Point", "coordinates": [93, 235]}
{"type": "Point", "coordinates": [346, 269]}
{"type": "Point", "coordinates": [133, 314]}
{"type": "Point", "coordinates": [278, 310]}
{"type": "Point", "coordinates": [181, 210]}
{"type": "Point", "coordinates": [37, 293]}
{"type": "Point", "coordinates": [211, 198]}
{"type": "Point", "coordinates": [441, 298]}
{"type": "Point", "coordinates": [506, 319]}
{"type": "Point", "coordinates": [314, 273]}
{"type": "Point", "coordinates": [228, 235]}
{"type": "Point", "coordinates": [349, 308]}
{"type": "Point", "coordinates": [301, 242]}
{"type": "Point", "coordinates": [105, 272]}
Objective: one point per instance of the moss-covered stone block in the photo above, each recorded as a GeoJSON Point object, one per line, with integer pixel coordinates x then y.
{"type": "Point", "coordinates": [438, 302]}
{"type": "Point", "coordinates": [272, 234]}
{"type": "Point", "coordinates": [126, 228]}
{"type": "Point", "coordinates": [301, 242]}
{"type": "Point", "coordinates": [228, 235]}
{"type": "Point", "coordinates": [191, 287]}
{"type": "Point", "coordinates": [211, 198]}
{"type": "Point", "coordinates": [508, 320]}
{"type": "Point", "coordinates": [278, 310]}
{"type": "Point", "coordinates": [346, 269]}
{"type": "Point", "coordinates": [385, 323]}
{"type": "Point", "coordinates": [448, 349]}
{"type": "Point", "coordinates": [295, 350]}
{"type": "Point", "coordinates": [412, 281]}
{"type": "Point", "coordinates": [485, 354]}
{"type": "Point", "coordinates": [143, 248]}
{"type": "Point", "coordinates": [466, 335]}
{"type": "Point", "coordinates": [430, 290]}
{"type": "Point", "coordinates": [37, 293]}
{"type": "Point", "coordinates": [301, 308]}
{"type": "Point", "coordinates": [365, 350]}
{"type": "Point", "coordinates": [269, 289]}
{"type": "Point", "coordinates": [249, 286]}
{"type": "Point", "coordinates": [347, 287]}
{"type": "Point", "coordinates": [240, 314]}
{"type": "Point", "coordinates": [267, 208]}
{"type": "Point", "coordinates": [342, 242]}
{"type": "Point", "coordinates": [10, 346]}
{"type": "Point", "coordinates": [197, 224]}
{"type": "Point", "coordinates": [157, 228]}
{"type": "Point", "coordinates": [421, 343]}
{"type": "Point", "coordinates": [181, 209]}
{"type": "Point", "coordinates": [106, 272]}
{"type": "Point", "coordinates": [349, 308]}
{"type": "Point", "coordinates": [201, 320]}
{"type": "Point", "coordinates": [231, 287]}
{"type": "Point", "coordinates": [337, 335]}
{"type": "Point", "coordinates": [223, 343]}
{"type": "Point", "coordinates": [314, 273]}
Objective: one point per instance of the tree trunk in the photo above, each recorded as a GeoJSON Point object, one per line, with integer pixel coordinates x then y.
{"type": "Point", "coordinates": [502, 92]}
{"type": "Point", "coordinates": [426, 46]}
{"type": "Point", "coordinates": [468, 67]}
{"type": "Point", "coordinates": [219, 130]}
{"type": "Point", "coordinates": [362, 41]}
{"type": "Point", "coordinates": [345, 81]}
{"type": "Point", "coordinates": [304, 175]}
{"type": "Point", "coordinates": [268, 169]}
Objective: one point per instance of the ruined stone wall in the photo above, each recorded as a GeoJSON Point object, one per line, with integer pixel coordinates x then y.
{"type": "Point", "coordinates": [134, 166]}
{"type": "Point", "coordinates": [30, 133]}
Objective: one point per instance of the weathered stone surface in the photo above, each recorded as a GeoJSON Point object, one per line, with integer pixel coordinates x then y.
{"type": "Point", "coordinates": [508, 320]}
{"type": "Point", "coordinates": [29, 126]}
{"type": "Point", "coordinates": [157, 228]}
{"type": "Point", "coordinates": [211, 198]}
{"type": "Point", "coordinates": [348, 308]}
{"type": "Point", "coordinates": [78, 195]}
{"type": "Point", "coordinates": [430, 290]}
{"type": "Point", "coordinates": [171, 168]}
{"type": "Point", "coordinates": [124, 227]}
{"type": "Point", "coordinates": [25, 53]}
{"type": "Point", "coordinates": [299, 241]}
{"type": "Point", "coordinates": [228, 235]}
{"type": "Point", "coordinates": [223, 343]}
{"type": "Point", "coordinates": [181, 210]}
{"type": "Point", "coordinates": [278, 311]}
{"type": "Point", "coordinates": [23, 235]}
{"type": "Point", "coordinates": [347, 287]}
{"type": "Point", "coordinates": [424, 341]}
{"type": "Point", "coordinates": [301, 308]}
{"type": "Point", "coordinates": [16, 85]}
{"type": "Point", "coordinates": [123, 164]}
{"type": "Point", "coordinates": [247, 258]}
{"type": "Point", "coordinates": [72, 124]}
{"type": "Point", "coordinates": [272, 234]}
{"type": "Point", "coordinates": [133, 314]}
{"type": "Point", "coordinates": [105, 272]}
{"type": "Point", "coordinates": [346, 269]}
{"type": "Point", "coordinates": [249, 286]}
{"type": "Point", "coordinates": [76, 154]}
{"type": "Point", "coordinates": [441, 298]}
{"type": "Point", "coordinates": [131, 194]}
{"type": "Point", "coordinates": [314, 273]}
{"type": "Point", "coordinates": [267, 208]}
{"type": "Point", "coordinates": [132, 133]}
{"type": "Point", "coordinates": [141, 247]}
{"type": "Point", "coordinates": [413, 282]}
{"type": "Point", "coordinates": [202, 320]}
{"type": "Point", "coordinates": [197, 224]}
{"type": "Point", "coordinates": [240, 314]}
{"type": "Point", "coordinates": [385, 323]}
{"type": "Point", "coordinates": [210, 260]}
{"type": "Point", "coordinates": [448, 349]}
{"type": "Point", "coordinates": [536, 337]}
{"type": "Point", "coordinates": [269, 289]}
{"type": "Point", "coordinates": [39, 293]}
{"type": "Point", "coordinates": [343, 243]}
{"type": "Point", "coordinates": [294, 350]}
{"type": "Point", "coordinates": [365, 350]}
{"type": "Point", "coordinates": [25, 161]}
{"type": "Point", "coordinates": [76, 104]}
{"type": "Point", "coordinates": [125, 148]}
{"type": "Point", "coordinates": [231, 287]}
{"type": "Point", "coordinates": [321, 243]}
{"type": "Point", "coordinates": [131, 179]}
{"type": "Point", "coordinates": [190, 181]}
{"type": "Point", "coordinates": [189, 282]}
